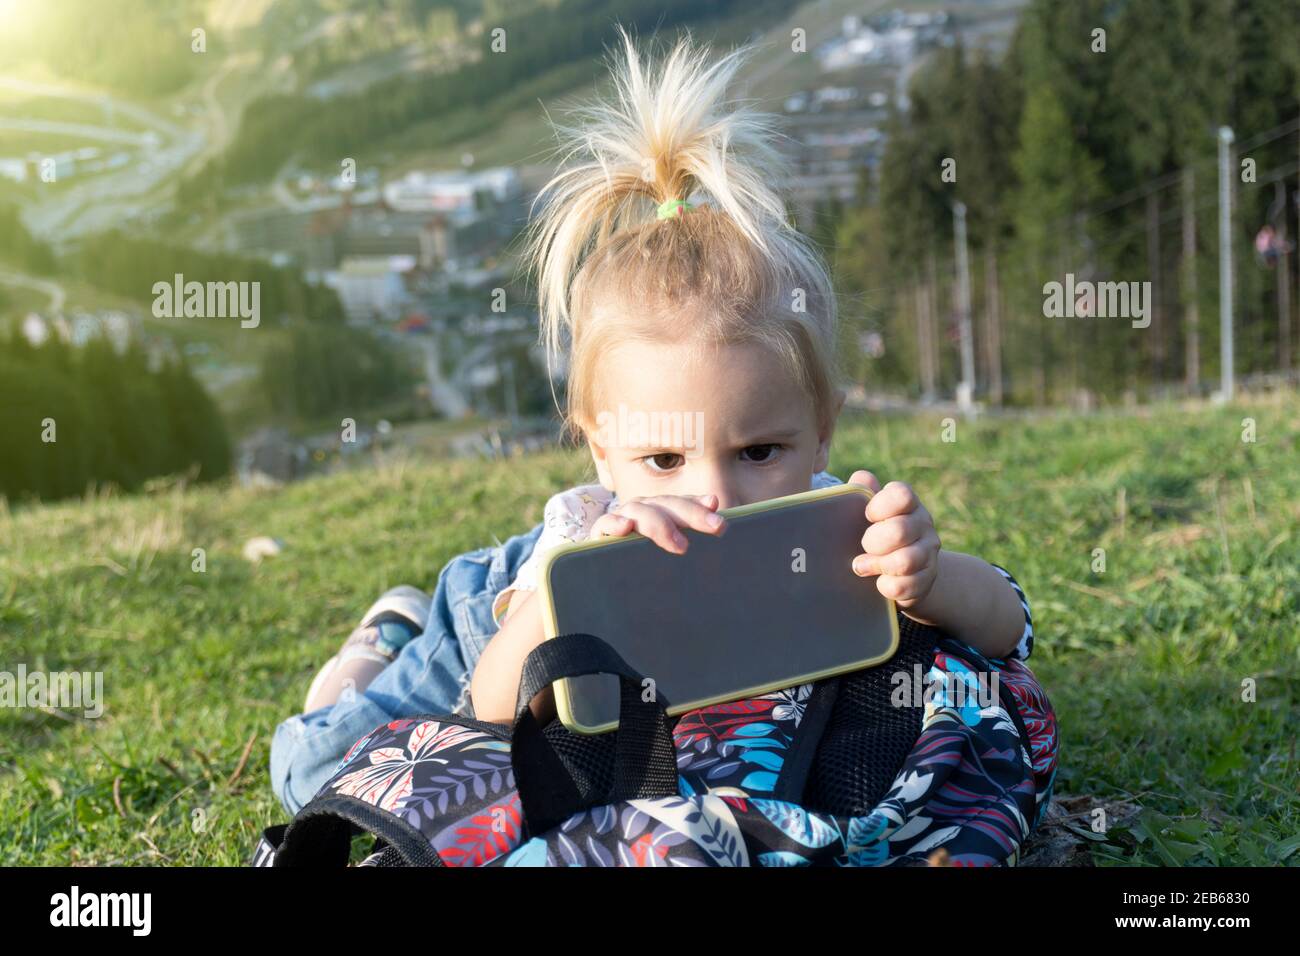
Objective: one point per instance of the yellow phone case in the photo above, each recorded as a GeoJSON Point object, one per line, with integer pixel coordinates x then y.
{"type": "Point", "coordinates": [563, 701]}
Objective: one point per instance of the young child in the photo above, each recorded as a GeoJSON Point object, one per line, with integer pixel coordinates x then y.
{"type": "Point", "coordinates": [664, 257]}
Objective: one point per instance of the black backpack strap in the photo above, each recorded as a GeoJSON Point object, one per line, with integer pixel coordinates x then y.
{"type": "Point", "coordinates": [321, 834]}
{"type": "Point", "coordinates": [645, 761]}
{"type": "Point", "coordinates": [644, 766]}
{"type": "Point", "coordinates": [268, 844]}
{"type": "Point", "coordinates": [797, 768]}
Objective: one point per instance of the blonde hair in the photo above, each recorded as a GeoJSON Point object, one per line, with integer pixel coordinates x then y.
{"type": "Point", "coordinates": [730, 270]}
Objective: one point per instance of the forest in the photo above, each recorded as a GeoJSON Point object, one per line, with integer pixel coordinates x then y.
{"type": "Point", "coordinates": [1089, 150]}
{"type": "Point", "coordinates": [78, 418]}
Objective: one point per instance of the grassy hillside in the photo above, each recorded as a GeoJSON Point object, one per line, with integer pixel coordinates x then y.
{"type": "Point", "coordinates": [1144, 662]}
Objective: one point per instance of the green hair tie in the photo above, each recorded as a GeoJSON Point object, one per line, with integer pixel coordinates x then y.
{"type": "Point", "coordinates": [674, 207]}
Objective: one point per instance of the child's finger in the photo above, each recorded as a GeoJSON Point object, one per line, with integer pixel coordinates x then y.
{"type": "Point", "coordinates": [902, 589]}
{"type": "Point", "coordinates": [612, 525]}
{"type": "Point", "coordinates": [866, 479]}
{"type": "Point", "coordinates": [892, 587]}
{"type": "Point", "coordinates": [689, 512]}
{"type": "Point", "coordinates": [864, 565]}
{"type": "Point", "coordinates": [656, 524]}
{"type": "Point", "coordinates": [896, 498]}
{"type": "Point", "coordinates": [893, 533]}
{"type": "Point", "coordinates": [903, 562]}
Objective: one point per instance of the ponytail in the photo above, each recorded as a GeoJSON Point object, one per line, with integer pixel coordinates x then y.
{"type": "Point", "coordinates": [666, 141]}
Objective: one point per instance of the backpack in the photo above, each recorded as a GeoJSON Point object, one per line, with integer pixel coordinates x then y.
{"type": "Point", "coordinates": [834, 772]}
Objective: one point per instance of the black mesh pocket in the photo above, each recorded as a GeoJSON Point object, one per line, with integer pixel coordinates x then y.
{"type": "Point", "coordinates": [867, 739]}
{"type": "Point", "coordinates": [588, 759]}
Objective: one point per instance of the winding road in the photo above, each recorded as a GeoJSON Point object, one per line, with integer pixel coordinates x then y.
{"type": "Point", "coordinates": [52, 289]}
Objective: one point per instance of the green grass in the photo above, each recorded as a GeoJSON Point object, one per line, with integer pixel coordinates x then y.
{"type": "Point", "coordinates": [1144, 663]}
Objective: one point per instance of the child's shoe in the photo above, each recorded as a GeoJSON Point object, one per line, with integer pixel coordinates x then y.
{"type": "Point", "coordinates": [392, 622]}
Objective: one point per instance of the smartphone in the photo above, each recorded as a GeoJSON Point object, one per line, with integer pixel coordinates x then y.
{"type": "Point", "coordinates": [771, 603]}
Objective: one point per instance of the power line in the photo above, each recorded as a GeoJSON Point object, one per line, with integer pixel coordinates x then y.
{"type": "Point", "coordinates": [1157, 183]}
{"type": "Point", "coordinates": [1166, 179]}
{"type": "Point", "coordinates": [1265, 137]}
{"type": "Point", "coordinates": [1108, 240]}
{"type": "Point", "coordinates": [1063, 246]}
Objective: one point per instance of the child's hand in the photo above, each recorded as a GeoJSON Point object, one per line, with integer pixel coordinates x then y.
{"type": "Point", "coordinates": [659, 517]}
{"type": "Point", "coordinates": [901, 546]}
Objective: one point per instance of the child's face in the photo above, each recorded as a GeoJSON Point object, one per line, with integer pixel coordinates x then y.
{"type": "Point", "coordinates": [733, 423]}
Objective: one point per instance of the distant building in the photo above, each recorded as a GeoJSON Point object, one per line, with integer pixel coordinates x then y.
{"type": "Point", "coordinates": [35, 329]}
{"type": "Point", "coordinates": [480, 208]}
{"type": "Point", "coordinates": [378, 230]}
{"type": "Point", "coordinates": [270, 456]}
{"type": "Point", "coordinates": [894, 38]}
{"type": "Point", "coordinates": [432, 220]}
{"type": "Point", "coordinates": [79, 328]}
{"type": "Point", "coordinates": [834, 95]}
{"type": "Point", "coordinates": [455, 191]}
{"type": "Point", "coordinates": [372, 287]}
{"type": "Point", "coordinates": [60, 165]}
{"type": "Point", "coordinates": [308, 236]}
{"type": "Point", "coordinates": [415, 322]}
{"type": "Point", "coordinates": [13, 168]}
{"type": "Point", "coordinates": [895, 46]}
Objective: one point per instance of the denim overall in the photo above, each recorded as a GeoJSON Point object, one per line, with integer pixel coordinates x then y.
{"type": "Point", "coordinates": [430, 676]}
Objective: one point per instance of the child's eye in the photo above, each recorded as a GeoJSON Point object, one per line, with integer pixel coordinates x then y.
{"type": "Point", "coordinates": [655, 464]}
{"type": "Point", "coordinates": [762, 453]}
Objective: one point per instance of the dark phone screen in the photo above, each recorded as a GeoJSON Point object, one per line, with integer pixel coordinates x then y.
{"type": "Point", "coordinates": [769, 604]}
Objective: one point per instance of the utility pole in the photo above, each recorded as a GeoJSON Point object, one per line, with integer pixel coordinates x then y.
{"type": "Point", "coordinates": [1225, 264]}
{"type": "Point", "coordinates": [932, 323]}
{"type": "Point", "coordinates": [1191, 307]}
{"type": "Point", "coordinates": [966, 388]}
{"type": "Point", "coordinates": [923, 345]}
{"type": "Point", "coordinates": [512, 395]}
{"type": "Point", "coordinates": [1283, 285]}
{"type": "Point", "coordinates": [993, 318]}
{"type": "Point", "coordinates": [1153, 273]}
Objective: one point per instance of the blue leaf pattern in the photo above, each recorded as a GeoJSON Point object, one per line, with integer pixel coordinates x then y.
{"type": "Point", "coordinates": [809, 829]}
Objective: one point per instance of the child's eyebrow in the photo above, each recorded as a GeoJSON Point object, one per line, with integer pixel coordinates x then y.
{"type": "Point", "coordinates": [765, 438]}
